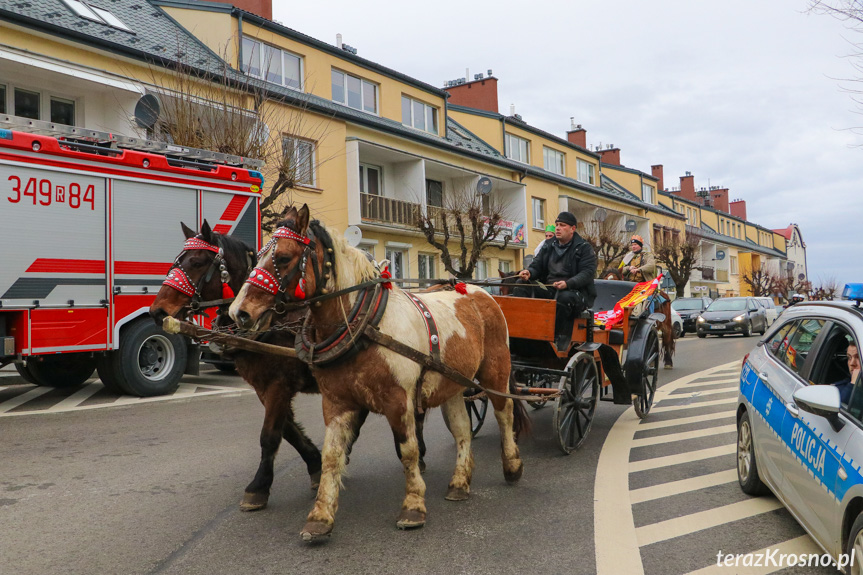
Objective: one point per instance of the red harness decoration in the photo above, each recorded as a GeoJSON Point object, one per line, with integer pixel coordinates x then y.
{"type": "Point", "coordinates": [261, 278]}
{"type": "Point", "coordinates": [461, 288]}
{"type": "Point", "coordinates": [291, 235]}
{"type": "Point", "coordinates": [178, 280]}
{"type": "Point", "coordinates": [387, 275]}
{"type": "Point", "coordinates": [199, 244]}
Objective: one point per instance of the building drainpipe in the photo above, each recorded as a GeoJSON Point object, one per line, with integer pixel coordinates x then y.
{"type": "Point", "coordinates": [240, 41]}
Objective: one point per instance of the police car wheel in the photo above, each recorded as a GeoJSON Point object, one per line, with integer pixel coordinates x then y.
{"type": "Point", "coordinates": [855, 544]}
{"type": "Point", "coordinates": [747, 468]}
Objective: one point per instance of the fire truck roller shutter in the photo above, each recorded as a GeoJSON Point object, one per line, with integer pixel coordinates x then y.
{"type": "Point", "coordinates": [232, 215]}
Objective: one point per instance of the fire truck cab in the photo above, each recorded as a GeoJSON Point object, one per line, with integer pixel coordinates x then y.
{"type": "Point", "coordinates": [89, 226]}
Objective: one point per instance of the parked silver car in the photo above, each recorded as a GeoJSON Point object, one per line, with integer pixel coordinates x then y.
{"type": "Point", "coordinates": [770, 309]}
{"type": "Point", "coordinates": [732, 315]}
{"type": "Point", "coordinates": [800, 422]}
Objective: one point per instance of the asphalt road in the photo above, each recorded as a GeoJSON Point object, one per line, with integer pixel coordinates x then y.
{"type": "Point", "coordinates": [152, 487]}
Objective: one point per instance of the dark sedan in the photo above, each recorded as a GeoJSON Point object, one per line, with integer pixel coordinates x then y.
{"type": "Point", "coordinates": [732, 315]}
{"type": "Point", "coordinates": [689, 309]}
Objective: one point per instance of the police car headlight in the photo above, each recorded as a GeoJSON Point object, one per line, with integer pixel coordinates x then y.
{"type": "Point", "coordinates": [741, 317]}
{"type": "Point", "coordinates": [701, 319]}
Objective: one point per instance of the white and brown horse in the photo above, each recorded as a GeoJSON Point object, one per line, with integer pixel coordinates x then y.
{"type": "Point", "coordinates": [473, 340]}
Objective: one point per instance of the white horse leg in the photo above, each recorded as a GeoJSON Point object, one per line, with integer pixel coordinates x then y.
{"type": "Point", "coordinates": [339, 435]}
{"type": "Point", "coordinates": [413, 513]}
{"type": "Point", "coordinates": [512, 464]}
{"type": "Point", "coordinates": [458, 423]}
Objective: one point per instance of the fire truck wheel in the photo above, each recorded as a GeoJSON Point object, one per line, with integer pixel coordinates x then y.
{"type": "Point", "coordinates": [63, 370]}
{"type": "Point", "coordinates": [149, 362]}
{"type": "Point", "coordinates": [25, 373]}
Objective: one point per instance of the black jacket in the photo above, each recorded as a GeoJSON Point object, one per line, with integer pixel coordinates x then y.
{"type": "Point", "coordinates": [577, 266]}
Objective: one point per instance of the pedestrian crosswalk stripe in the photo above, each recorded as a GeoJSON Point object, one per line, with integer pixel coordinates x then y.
{"type": "Point", "coordinates": [735, 379]}
{"type": "Point", "coordinates": [647, 425]}
{"type": "Point", "coordinates": [671, 528]}
{"type": "Point", "coordinates": [11, 404]}
{"type": "Point", "coordinates": [663, 409]}
{"type": "Point", "coordinates": [672, 437]}
{"type": "Point", "coordinates": [678, 458]}
{"type": "Point", "coordinates": [701, 393]}
{"type": "Point", "coordinates": [682, 486]}
{"type": "Point", "coordinates": [803, 545]}
{"type": "Point", "coordinates": [78, 397]}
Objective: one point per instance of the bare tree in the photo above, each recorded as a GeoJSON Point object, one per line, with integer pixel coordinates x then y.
{"type": "Point", "coordinates": [234, 113]}
{"type": "Point", "coordinates": [609, 241]}
{"type": "Point", "coordinates": [679, 257]}
{"type": "Point", "coordinates": [471, 220]}
{"type": "Point", "coordinates": [827, 289]}
{"type": "Point", "coordinates": [761, 281]}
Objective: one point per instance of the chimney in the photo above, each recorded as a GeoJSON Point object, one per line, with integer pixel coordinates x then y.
{"type": "Point", "coordinates": [719, 198]}
{"type": "Point", "coordinates": [577, 135]}
{"type": "Point", "coordinates": [656, 171]}
{"type": "Point", "coordinates": [262, 8]}
{"type": "Point", "coordinates": [687, 187]}
{"type": "Point", "coordinates": [738, 209]}
{"type": "Point", "coordinates": [610, 155]}
{"type": "Point", "coordinates": [480, 94]}
{"type": "Point", "coordinates": [339, 41]}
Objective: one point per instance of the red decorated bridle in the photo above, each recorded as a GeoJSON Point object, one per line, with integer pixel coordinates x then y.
{"type": "Point", "coordinates": [178, 278]}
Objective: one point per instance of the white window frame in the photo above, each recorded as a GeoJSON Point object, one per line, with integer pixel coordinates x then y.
{"type": "Point", "coordinates": [45, 99]}
{"type": "Point", "coordinates": [647, 193]}
{"type": "Point", "coordinates": [732, 264]}
{"type": "Point", "coordinates": [523, 146]}
{"type": "Point", "coordinates": [244, 66]}
{"type": "Point", "coordinates": [95, 14]}
{"type": "Point", "coordinates": [364, 179]}
{"type": "Point", "coordinates": [480, 270]}
{"type": "Point", "coordinates": [586, 172]}
{"type": "Point", "coordinates": [363, 81]}
{"type": "Point", "coordinates": [430, 265]}
{"type": "Point", "coordinates": [504, 265]}
{"type": "Point", "coordinates": [411, 120]}
{"type": "Point", "coordinates": [538, 223]}
{"type": "Point", "coordinates": [552, 159]}
{"type": "Point", "coordinates": [388, 255]}
{"type": "Point", "coordinates": [312, 154]}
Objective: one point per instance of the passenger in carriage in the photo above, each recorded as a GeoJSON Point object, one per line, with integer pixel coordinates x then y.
{"type": "Point", "coordinates": [568, 263]}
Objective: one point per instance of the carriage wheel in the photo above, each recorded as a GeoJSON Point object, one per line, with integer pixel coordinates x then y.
{"type": "Point", "coordinates": [538, 382]}
{"type": "Point", "coordinates": [576, 405]}
{"type": "Point", "coordinates": [649, 374]}
{"type": "Point", "coordinates": [477, 406]}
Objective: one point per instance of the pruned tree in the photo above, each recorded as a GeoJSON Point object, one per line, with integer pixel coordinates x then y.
{"type": "Point", "coordinates": [679, 257]}
{"type": "Point", "coordinates": [761, 281]}
{"type": "Point", "coordinates": [827, 289]}
{"type": "Point", "coordinates": [609, 241]}
{"type": "Point", "coordinates": [789, 285]}
{"type": "Point", "coordinates": [471, 221]}
{"type": "Point", "coordinates": [227, 111]}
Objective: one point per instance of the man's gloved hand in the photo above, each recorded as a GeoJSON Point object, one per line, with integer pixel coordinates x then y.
{"type": "Point", "coordinates": [559, 284]}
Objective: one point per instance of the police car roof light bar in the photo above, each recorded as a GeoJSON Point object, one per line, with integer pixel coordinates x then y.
{"type": "Point", "coordinates": [853, 292]}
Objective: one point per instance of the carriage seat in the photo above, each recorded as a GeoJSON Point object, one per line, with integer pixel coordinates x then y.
{"type": "Point", "coordinates": [608, 293]}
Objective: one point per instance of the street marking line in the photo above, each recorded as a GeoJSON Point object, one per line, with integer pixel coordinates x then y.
{"type": "Point", "coordinates": [712, 381]}
{"type": "Point", "coordinates": [803, 545]}
{"type": "Point", "coordinates": [663, 409]}
{"type": "Point", "coordinates": [615, 541]}
{"type": "Point", "coordinates": [678, 458]}
{"type": "Point", "coordinates": [78, 397]}
{"type": "Point", "coordinates": [11, 404]}
{"type": "Point", "coordinates": [671, 528]}
{"type": "Point", "coordinates": [684, 435]}
{"type": "Point", "coordinates": [682, 486]}
{"type": "Point", "coordinates": [687, 393]}
{"type": "Point", "coordinates": [686, 420]}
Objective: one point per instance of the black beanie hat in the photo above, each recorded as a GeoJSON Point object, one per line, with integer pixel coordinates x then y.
{"type": "Point", "coordinates": [566, 218]}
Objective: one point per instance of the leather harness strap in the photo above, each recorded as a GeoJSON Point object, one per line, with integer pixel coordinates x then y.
{"type": "Point", "coordinates": [434, 345]}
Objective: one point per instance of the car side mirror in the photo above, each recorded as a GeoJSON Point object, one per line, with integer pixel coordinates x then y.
{"type": "Point", "coordinates": [821, 400]}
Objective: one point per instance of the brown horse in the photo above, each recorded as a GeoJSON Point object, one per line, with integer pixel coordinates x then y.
{"type": "Point", "coordinates": [666, 326]}
{"type": "Point", "coordinates": [472, 339]}
{"type": "Point", "coordinates": [276, 379]}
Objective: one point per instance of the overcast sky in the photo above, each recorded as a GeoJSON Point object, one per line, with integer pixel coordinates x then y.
{"type": "Point", "coordinates": [745, 95]}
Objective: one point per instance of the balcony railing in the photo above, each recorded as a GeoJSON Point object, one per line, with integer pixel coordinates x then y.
{"type": "Point", "coordinates": [707, 273]}
{"type": "Point", "coordinates": [389, 210]}
{"type": "Point", "coordinates": [722, 275]}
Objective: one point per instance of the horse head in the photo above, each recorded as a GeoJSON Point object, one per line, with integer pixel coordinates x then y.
{"type": "Point", "coordinates": [507, 281]}
{"type": "Point", "coordinates": [210, 268]}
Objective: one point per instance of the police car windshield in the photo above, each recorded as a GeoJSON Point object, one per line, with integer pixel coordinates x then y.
{"type": "Point", "coordinates": [728, 305]}
{"type": "Point", "coordinates": [685, 304]}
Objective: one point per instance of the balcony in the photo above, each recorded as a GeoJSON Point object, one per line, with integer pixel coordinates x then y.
{"type": "Point", "coordinates": [389, 210]}
{"type": "Point", "coordinates": [722, 275]}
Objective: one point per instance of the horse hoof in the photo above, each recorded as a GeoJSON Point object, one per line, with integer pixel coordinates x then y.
{"type": "Point", "coordinates": [411, 519]}
{"type": "Point", "coordinates": [669, 367]}
{"type": "Point", "coordinates": [316, 480]}
{"type": "Point", "coordinates": [254, 501]}
{"type": "Point", "coordinates": [315, 530]}
{"type": "Point", "coordinates": [513, 476]}
{"type": "Point", "coordinates": [457, 494]}
{"type": "Point", "coordinates": [422, 465]}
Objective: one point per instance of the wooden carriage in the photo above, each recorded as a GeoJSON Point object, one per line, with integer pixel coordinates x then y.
{"type": "Point", "coordinates": [619, 365]}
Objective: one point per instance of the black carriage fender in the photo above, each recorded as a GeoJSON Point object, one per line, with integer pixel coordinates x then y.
{"type": "Point", "coordinates": [633, 365]}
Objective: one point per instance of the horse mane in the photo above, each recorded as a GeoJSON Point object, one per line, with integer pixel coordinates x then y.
{"type": "Point", "coordinates": [234, 247]}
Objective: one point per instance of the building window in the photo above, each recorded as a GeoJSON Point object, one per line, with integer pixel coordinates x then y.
{"type": "Point", "coordinates": [300, 156]}
{"type": "Point", "coordinates": [419, 115]}
{"type": "Point", "coordinates": [2, 99]}
{"type": "Point", "coordinates": [426, 267]}
{"type": "Point", "coordinates": [647, 193]}
{"type": "Point", "coordinates": [733, 264]}
{"type": "Point", "coordinates": [355, 92]}
{"type": "Point", "coordinates": [517, 149]}
{"type": "Point", "coordinates": [538, 213]}
{"type": "Point", "coordinates": [371, 181]}
{"type": "Point", "coordinates": [586, 172]}
{"type": "Point", "coordinates": [63, 111]}
{"type": "Point", "coordinates": [480, 271]}
{"type": "Point", "coordinates": [434, 193]}
{"type": "Point", "coordinates": [96, 14]}
{"type": "Point", "coordinates": [272, 64]}
{"type": "Point", "coordinates": [504, 266]}
{"type": "Point", "coordinates": [368, 248]}
{"type": "Point", "coordinates": [553, 161]}
{"type": "Point", "coordinates": [27, 104]}
{"type": "Point", "coordinates": [398, 259]}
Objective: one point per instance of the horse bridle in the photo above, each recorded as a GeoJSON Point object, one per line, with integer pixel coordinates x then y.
{"type": "Point", "coordinates": [276, 284]}
{"type": "Point", "coordinates": [178, 277]}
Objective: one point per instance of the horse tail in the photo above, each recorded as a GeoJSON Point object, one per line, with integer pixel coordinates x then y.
{"type": "Point", "coordinates": [668, 343]}
{"type": "Point", "coordinates": [520, 419]}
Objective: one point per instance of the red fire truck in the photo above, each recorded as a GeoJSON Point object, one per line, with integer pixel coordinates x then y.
{"type": "Point", "coordinates": [90, 224]}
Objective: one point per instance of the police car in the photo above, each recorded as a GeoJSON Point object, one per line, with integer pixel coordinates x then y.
{"type": "Point", "coordinates": [798, 432]}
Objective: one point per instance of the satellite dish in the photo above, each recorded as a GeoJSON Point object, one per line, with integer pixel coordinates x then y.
{"type": "Point", "coordinates": [801, 277]}
{"type": "Point", "coordinates": [600, 215]}
{"type": "Point", "coordinates": [483, 186]}
{"type": "Point", "coordinates": [147, 111]}
{"type": "Point", "coordinates": [789, 266]}
{"type": "Point", "coordinates": [631, 225]}
{"type": "Point", "coordinates": [720, 255]}
{"type": "Point", "coordinates": [354, 236]}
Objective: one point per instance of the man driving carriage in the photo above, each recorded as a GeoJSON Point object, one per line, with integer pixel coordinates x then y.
{"type": "Point", "coordinates": [568, 263]}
